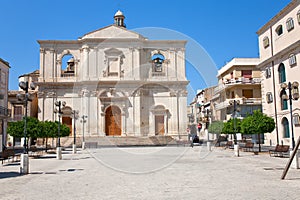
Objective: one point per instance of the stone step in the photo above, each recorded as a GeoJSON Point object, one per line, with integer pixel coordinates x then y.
{"type": "Point", "coordinates": [120, 141]}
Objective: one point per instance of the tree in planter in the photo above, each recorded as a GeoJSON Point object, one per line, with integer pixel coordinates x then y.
{"type": "Point", "coordinates": [257, 123]}
{"type": "Point", "coordinates": [216, 127]}
{"type": "Point", "coordinates": [49, 129]}
{"type": "Point", "coordinates": [16, 129]}
{"type": "Point", "coordinates": [232, 126]}
{"type": "Point", "coordinates": [37, 129]}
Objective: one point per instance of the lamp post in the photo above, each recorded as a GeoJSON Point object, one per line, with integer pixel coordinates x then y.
{"type": "Point", "coordinates": [293, 95]}
{"type": "Point", "coordinates": [59, 105]}
{"type": "Point", "coordinates": [75, 116]}
{"type": "Point", "coordinates": [236, 146]}
{"type": "Point", "coordinates": [24, 168]}
{"type": "Point", "coordinates": [83, 117]}
{"type": "Point", "coordinates": [206, 116]}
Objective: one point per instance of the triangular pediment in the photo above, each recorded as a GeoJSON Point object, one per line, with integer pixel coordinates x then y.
{"type": "Point", "coordinates": [111, 31]}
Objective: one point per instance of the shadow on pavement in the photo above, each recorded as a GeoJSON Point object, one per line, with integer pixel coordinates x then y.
{"type": "Point", "coordinates": [9, 174]}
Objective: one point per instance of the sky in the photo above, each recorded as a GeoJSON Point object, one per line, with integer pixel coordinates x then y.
{"type": "Point", "coordinates": [216, 30]}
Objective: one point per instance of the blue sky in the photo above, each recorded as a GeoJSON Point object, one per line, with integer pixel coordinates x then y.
{"type": "Point", "coordinates": [223, 29]}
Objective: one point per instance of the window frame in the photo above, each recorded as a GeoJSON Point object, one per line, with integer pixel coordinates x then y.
{"type": "Point", "coordinates": [268, 72]}
{"type": "Point", "coordinates": [286, 127]}
{"type": "Point", "coordinates": [284, 104]}
{"type": "Point", "coordinates": [281, 73]}
{"type": "Point", "coordinates": [296, 119]}
{"type": "Point", "coordinates": [279, 30]}
{"type": "Point", "coordinates": [269, 97]}
{"type": "Point", "coordinates": [298, 16]}
{"type": "Point", "coordinates": [266, 42]}
{"type": "Point", "coordinates": [292, 60]}
{"type": "Point", "coordinates": [289, 24]}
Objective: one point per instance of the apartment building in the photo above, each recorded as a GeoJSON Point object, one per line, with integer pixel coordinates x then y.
{"type": "Point", "coordinates": [279, 47]}
{"type": "Point", "coordinates": [4, 112]}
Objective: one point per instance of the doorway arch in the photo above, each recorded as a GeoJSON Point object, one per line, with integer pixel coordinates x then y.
{"type": "Point", "coordinates": [113, 122]}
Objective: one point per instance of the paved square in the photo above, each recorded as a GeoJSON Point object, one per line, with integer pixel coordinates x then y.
{"type": "Point", "coordinates": [152, 173]}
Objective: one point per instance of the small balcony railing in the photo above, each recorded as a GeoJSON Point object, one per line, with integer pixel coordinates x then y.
{"type": "Point", "coordinates": [68, 74]}
{"type": "Point", "coordinates": [242, 101]}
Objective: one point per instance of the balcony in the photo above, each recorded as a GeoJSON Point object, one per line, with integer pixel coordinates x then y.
{"type": "Point", "coordinates": [236, 81]}
{"type": "Point", "coordinates": [242, 101]}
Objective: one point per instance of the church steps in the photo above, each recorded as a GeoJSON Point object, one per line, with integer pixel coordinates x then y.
{"type": "Point", "coordinates": [123, 141]}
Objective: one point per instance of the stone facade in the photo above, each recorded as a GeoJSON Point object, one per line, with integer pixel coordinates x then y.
{"type": "Point", "coordinates": [279, 48]}
{"type": "Point", "coordinates": [126, 84]}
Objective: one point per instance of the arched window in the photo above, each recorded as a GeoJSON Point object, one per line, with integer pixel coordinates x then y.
{"type": "Point", "coordinates": [284, 104]}
{"type": "Point", "coordinates": [298, 16]}
{"type": "Point", "coordinates": [286, 128]}
{"type": "Point", "coordinates": [158, 60]}
{"type": "Point", "coordinates": [67, 66]}
{"type": "Point", "coordinates": [290, 24]}
{"type": "Point", "coordinates": [281, 72]}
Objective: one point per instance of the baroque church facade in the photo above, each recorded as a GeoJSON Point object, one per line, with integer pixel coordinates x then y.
{"type": "Point", "coordinates": [124, 83]}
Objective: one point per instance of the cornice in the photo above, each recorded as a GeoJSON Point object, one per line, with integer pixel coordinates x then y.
{"type": "Point", "coordinates": [279, 54]}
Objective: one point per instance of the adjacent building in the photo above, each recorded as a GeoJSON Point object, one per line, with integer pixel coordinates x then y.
{"type": "Point", "coordinates": [239, 80]}
{"type": "Point", "coordinates": [126, 84]}
{"type": "Point", "coordinates": [4, 112]}
{"type": "Point", "coordinates": [238, 92]}
{"type": "Point", "coordinates": [203, 113]}
{"type": "Point", "coordinates": [279, 47]}
{"type": "Point", "coordinates": [16, 104]}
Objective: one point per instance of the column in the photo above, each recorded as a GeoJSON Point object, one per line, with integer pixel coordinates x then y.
{"type": "Point", "coordinates": [85, 62]}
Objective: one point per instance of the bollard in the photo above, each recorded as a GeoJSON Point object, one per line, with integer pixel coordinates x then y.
{"type": "Point", "coordinates": [208, 146]}
{"type": "Point", "coordinates": [83, 145]}
{"type": "Point", "coordinates": [74, 148]}
{"type": "Point", "coordinates": [58, 153]}
{"type": "Point", "coordinates": [24, 165]}
{"type": "Point", "coordinates": [236, 150]}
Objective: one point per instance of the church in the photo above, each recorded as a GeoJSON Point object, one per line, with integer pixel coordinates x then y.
{"type": "Point", "coordinates": [117, 81]}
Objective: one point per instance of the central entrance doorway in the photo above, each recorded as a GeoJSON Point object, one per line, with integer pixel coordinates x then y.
{"type": "Point", "coordinates": [68, 122]}
{"type": "Point", "coordinates": [113, 121]}
{"type": "Point", "coordinates": [159, 125]}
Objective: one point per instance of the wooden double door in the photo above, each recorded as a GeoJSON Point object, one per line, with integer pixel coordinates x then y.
{"type": "Point", "coordinates": [68, 122]}
{"type": "Point", "coordinates": [113, 121]}
{"type": "Point", "coordinates": [159, 125]}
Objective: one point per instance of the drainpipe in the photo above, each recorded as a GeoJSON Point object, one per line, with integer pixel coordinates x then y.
{"type": "Point", "coordinates": [274, 88]}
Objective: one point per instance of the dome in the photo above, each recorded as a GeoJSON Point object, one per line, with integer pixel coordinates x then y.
{"type": "Point", "coordinates": [119, 13]}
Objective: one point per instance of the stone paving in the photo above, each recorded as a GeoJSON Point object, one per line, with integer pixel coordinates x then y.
{"type": "Point", "coordinates": [151, 173]}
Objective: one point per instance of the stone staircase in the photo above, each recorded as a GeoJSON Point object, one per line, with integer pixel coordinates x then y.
{"type": "Point", "coordinates": [124, 141]}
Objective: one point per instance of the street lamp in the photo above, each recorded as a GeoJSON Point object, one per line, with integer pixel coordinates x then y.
{"type": "Point", "coordinates": [59, 105]}
{"type": "Point", "coordinates": [293, 95]}
{"type": "Point", "coordinates": [83, 117]}
{"type": "Point", "coordinates": [24, 157]}
{"type": "Point", "coordinates": [207, 115]}
{"type": "Point", "coordinates": [75, 116]}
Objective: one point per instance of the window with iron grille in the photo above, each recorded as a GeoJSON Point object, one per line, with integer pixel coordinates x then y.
{"type": "Point", "coordinates": [269, 97]}
{"type": "Point", "coordinates": [290, 24]}
{"type": "Point", "coordinates": [268, 72]}
{"type": "Point", "coordinates": [292, 60]}
{"type": "Point", "coordinates": [266, 42]}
